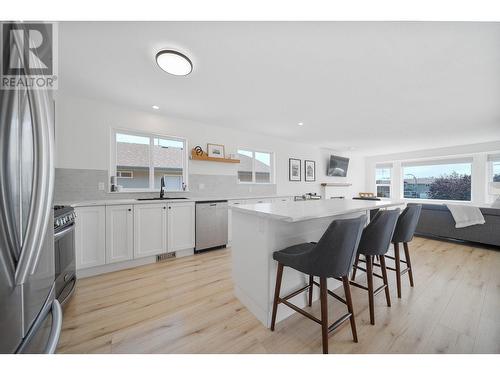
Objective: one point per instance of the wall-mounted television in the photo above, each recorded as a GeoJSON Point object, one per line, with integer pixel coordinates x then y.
{"type": "Point", "coordinates": [337, 166]}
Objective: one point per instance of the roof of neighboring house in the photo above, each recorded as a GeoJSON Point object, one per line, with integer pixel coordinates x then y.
{"type": "Point", "coordinates": [246, 164]}
{"type": "Point", "coordinates": [420, 181]}
{"type": "Point", "coordinates": [137, 155]}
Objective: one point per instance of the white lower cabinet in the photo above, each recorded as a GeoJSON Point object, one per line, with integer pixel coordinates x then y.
{"type": "Point", "coordinates": [119, 233]}
{"type": "Point", "coordinates": [181, 226]}
{"type": "Point", "coordinates": [90, 236]}
{"type": "Point", "coordinates": [150, 229]}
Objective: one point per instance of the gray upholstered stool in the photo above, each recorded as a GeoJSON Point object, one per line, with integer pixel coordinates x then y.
{"type": "Point", "coordinates": [332, 256]}
{"type": "Point", "coordinates": [405, 229]}
{"type": "Point", "coordinates": [375, 241]}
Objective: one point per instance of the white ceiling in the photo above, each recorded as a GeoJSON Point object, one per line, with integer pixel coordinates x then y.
{"type": "Point", "coordinates": [377, 87]}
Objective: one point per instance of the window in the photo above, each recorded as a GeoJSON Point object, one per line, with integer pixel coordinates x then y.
{"type": "Point", "coordinates": [255, 167]}
{"type": "Point", "coordinates": [441, 179]}
{"type": "Point", "coordinates": [139, 161]}
{"type": "Point", "coordinates": [383, 180]}
{"type": "Point", "coordinates": [494, 164]}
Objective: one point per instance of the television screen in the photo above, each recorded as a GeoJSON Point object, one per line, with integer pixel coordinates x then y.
{"type": "Point", "coordinates": [338, 166]}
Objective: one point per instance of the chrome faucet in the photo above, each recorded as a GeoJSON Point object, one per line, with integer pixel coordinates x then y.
{"type": "Point", "coordinates": [162, 187]}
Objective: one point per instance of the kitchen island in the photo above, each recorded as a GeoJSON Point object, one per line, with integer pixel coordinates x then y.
{"type": "Point", "coordinates": [261, 229]}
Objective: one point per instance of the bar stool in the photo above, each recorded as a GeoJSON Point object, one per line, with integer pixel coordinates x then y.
{"type": "Point", "coordinates": [332, 256]}
{"type": "Point", "coordinates": [375, 241]}
{"type": "Point", "coordinates": [405, 229]}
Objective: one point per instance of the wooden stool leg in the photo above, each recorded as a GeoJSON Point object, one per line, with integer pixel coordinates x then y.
{"type": "Point", "coordinates": [386, 282]}
{"type": "Point", "coordinates": [324, 313]}
{"type": "Point", "coordinates": [279, 276]}
{"type": "Point", "coordinates": [311, 285]}
{"type": "Point", "coordinates": [408, 262]}
{"type": "Point", "coordinates": [397, 260]}
{"type": "Point", "coordinates": [369, 276]}
{"type": "Point", "coordinates": [348, 298]}
{"type": "Point", "coordinates": [356, 261]}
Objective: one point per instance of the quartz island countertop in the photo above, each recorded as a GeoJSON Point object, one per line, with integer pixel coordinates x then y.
{"type": "Point", "coordinates": [312, 209]}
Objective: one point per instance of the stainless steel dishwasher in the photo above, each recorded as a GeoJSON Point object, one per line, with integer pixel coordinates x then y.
{"type": "Point", "coordinates": [211, 225]}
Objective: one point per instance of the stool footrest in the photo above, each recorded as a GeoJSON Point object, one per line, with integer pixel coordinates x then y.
{"type": "Point", "coordinates": [353, 283]}
{"type": "Point", "coordinates": [360, 268]}
{"type": "Point", "coordinates": [391, 257]}
{"type": "Point", "coordinates": [402, 271]}
{"type": "Point", "coordinates": [379, 289]}
{"type": "Point", "coordinates": [299, 310]}
{"type": "Point", "coordinates": [339, 322]}
{"type": "Point", "coordinates": [293, 294]}
{"type": "Point", "coordinates": [332, 294]}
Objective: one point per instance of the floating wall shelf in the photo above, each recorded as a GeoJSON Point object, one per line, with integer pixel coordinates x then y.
{"type": "Point", "coordinates": [205, 157]}
{"type": "Point", "coordinates": [336, 184]}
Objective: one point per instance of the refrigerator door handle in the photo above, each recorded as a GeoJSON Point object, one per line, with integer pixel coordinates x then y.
{"type": "Point", "coordinates": [55, 332]}
{"type": "Point", "coordinates": [43, 179]}
{"type": "Point", "coordinates": [7, 258]}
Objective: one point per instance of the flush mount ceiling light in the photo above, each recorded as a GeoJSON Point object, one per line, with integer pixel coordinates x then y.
{"type": "Point", "coordinates": [174, 62]}
{"type": "Point", "coordinates": [301, 123]}
{"type": "Point", "coordinates": [155, 107]}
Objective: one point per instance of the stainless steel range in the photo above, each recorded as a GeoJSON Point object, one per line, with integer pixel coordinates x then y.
{"type": "Point", "coordinates": [64, 246]}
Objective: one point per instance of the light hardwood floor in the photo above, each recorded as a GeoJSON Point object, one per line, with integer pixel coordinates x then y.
{"type": "Point", "coordinates": [187, 306]}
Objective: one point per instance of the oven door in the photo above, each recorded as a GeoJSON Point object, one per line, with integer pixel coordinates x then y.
{"type": "Point", "coordinates": [65, 262]}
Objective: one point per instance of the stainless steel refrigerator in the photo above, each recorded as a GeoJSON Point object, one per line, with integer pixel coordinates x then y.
{"type": "Point", "coordinates": [30, 317]}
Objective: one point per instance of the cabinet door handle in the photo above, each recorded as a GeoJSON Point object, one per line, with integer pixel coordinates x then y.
{"type": "Point", "coordinates": [169, 207]}
{"type": "Point", "coordinates": [164, 208]}
{"type": "Point", "coordinates": [129, 209]}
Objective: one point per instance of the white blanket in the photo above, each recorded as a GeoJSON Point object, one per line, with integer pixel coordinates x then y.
{"type": "Point", "coordinates": [465, 216]}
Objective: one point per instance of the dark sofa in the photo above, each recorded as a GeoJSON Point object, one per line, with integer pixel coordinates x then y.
{"type": "Point", "coordinates": [436, 221]}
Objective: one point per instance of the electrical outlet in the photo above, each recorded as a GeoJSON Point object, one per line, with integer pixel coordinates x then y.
{"type": "Point", "coordinates": [100, 186]}
{"type": "Point", "coordinates": [201, 186]}
{"type": "Point", "coordinates": [249, 189]}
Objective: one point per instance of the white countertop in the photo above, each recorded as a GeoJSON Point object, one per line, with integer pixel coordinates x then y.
{"type": "Point", "coordinates": [113, 202]}
{"type": "Point", "coordinates": [312, 209]}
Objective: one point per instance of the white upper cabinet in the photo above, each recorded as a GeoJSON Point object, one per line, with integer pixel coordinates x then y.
{"type": "Point", "coordinates": [181, 226]}
{"type": "Point", "coordinates": [119, 233]}
{"type": "Point", "coordinates": [90, 233]}
{"type": "Point", "coordinates": [150, 229]}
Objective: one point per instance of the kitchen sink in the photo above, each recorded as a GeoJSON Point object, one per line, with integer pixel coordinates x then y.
{"type": "Point", "coordinates": [160, 199]}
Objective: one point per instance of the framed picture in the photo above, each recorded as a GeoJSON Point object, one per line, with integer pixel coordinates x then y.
{"type": "Point", "coordinates": [310, 170]}
{"type": "Point", "coordinates": [215, 151]}
{"type": "Point", "coordinates": [294, 170]}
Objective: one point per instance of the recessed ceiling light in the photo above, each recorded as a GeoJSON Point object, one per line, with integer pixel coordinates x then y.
{"type": "Point", "coordinates": [301, 123]}
{"type": "Point", "coordinates": [155, 107]}
{"type": "Point", "coordinates": [174, 62]}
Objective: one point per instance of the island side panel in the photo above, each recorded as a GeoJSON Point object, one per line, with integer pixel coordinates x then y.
{"type": "Point", "coordinates": [250, 262]}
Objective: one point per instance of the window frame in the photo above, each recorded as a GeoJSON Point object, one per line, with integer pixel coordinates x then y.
{"type": "Point", "coordinates": [389, 166]}
{"type": "Point", "coordinates": [458, 159]}
{"type": "Point", "coordinates": [273, 166]}
{"type": "Point", "coordinates": [151, 136]}
{"type": "Point", "coordinates": [495, 158]}
{"type": "Point", "coordinates": [492, 187]}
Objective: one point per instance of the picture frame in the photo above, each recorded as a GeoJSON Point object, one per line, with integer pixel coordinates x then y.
{"type": "Point", "coordinates": [294, 169]}
{"type": "Point", "coordinates": [309, 170]}
{"type": "Point", "coordinates": [215, 151]}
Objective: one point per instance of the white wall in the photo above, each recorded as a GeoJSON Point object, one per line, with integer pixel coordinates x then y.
{"type": "Point", "coordinates": [83, 128]}
{"type": "Point", "coordinates": [478, 152]}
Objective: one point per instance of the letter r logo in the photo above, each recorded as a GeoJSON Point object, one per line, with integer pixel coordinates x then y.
{"type": "Point", "coordinates": [28, 43]}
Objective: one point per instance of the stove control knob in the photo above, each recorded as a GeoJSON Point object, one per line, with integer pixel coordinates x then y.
{"type": "Point", "coordinates": [58, 222]}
